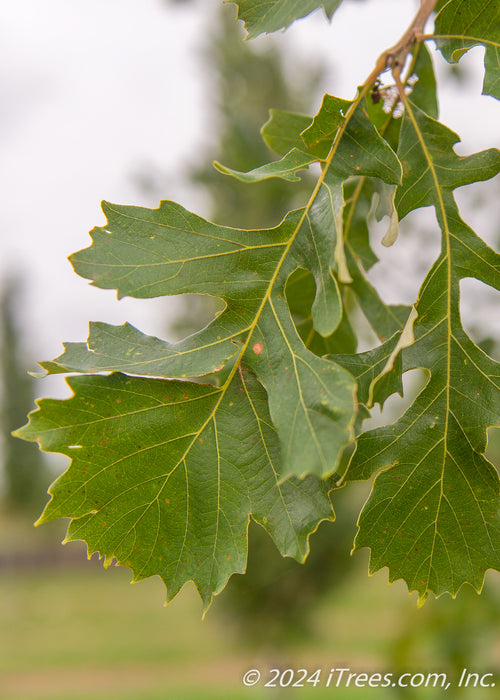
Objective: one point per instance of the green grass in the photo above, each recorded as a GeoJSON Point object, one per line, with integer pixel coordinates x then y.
{"type": "Point", "coordinates": [84, 633]}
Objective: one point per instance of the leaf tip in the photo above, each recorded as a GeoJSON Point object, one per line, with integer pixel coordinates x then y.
{"type": "Point", "coordinates": [105, 206]}
{"type": "Point", "coordinates": [422, 598]}
{"type": "Point", "coordinates": [221, 168]}
{"type": "Point", "coordinates": [391, 234]}
{"type": "Point", "coordinates": [37, 374]}
{"type": "Point", "coordinates": [39, 521]}
{"type": "Point", "coordinates": [206, 606]}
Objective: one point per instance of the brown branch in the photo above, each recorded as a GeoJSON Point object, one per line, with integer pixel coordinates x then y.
{"type": "Point", "coordinates": [396, 56]}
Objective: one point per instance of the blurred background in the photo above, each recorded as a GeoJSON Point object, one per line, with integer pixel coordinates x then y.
{"type": "Point", "coordinates": [130, 102]}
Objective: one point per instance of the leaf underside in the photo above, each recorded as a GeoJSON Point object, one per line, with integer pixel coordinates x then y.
{"type": "Point", "coordinates": [175, 446]}
{"type": "Point", "coordinates": [269, 15]}
{"type": "Point", "coordinates": [437, 488]}
{"type": "Point", "coordinates": [163, 486]}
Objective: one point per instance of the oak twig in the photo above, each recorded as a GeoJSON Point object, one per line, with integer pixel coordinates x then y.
{"type": "Point", "coordinates": [395, 57]}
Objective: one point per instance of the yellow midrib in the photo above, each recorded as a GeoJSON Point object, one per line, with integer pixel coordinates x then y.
{"type": "Point", "coordinates": [446, 231]}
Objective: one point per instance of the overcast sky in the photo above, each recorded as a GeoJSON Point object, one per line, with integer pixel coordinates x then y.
{"type": "Point", "coordinates": [93, 90]}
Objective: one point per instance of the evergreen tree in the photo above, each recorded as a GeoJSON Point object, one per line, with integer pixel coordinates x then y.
{"type": "Point", "coordinates": [22, 464]}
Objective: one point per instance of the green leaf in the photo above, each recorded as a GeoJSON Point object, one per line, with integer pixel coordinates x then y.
{"type": "Point", "coordinates": [171, 251]}
{"type": "Point", "coordinates": [433, 517]}
{"type": "Point", "coordinates": [165, 475]}
{"type": "Point", "coordinates": [270, 15]}
{"type": "Point", "coordinates": [462, 24]}
{"type": "Point", "coordinates": [288, 130]}
{"type": "Point", "coordinates": [256, 414]}
{"type": "Point", "coordinates": [253, 341]}
{"type": "Point", "coordinates": [145, 252]}
{"type": "Point", "coordinates": [358, 149]}
{"type": "Point", "coordinates": [311, 400]}
{"type": "Point", "coordinates": [126, 349]}
{"type": "Point", "coordinates": [282, 131]}
{"type": "Point", "coordinates": [431, 166]}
